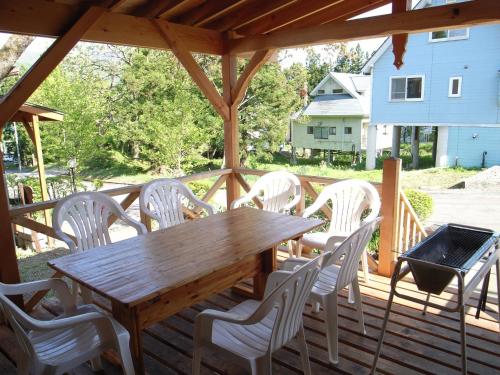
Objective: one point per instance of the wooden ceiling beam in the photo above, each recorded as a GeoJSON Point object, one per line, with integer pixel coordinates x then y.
{"type": "Point", "coordinates": [195, 71]}
{"type": "Point", "coordinates": [32, 79]}
{"type": "Point", "coordinates": [341, 11]}
{"type": "Point", "coordinates": [43, 18]}
{"type": "Point", "coordinates": [252, 10]}
{"type": "Point", "coordinates": [181, 8]}
{"type": "Point", "coordinates": [294, 12]}
{"type": "Point", "coordinates": [209, 11]}
{"type": "Point", "coordinates": [427, 19]}
{"type": "Point", "coordinates": [153, 8]}
{"type": "Point", "coordinates": [399, 40]}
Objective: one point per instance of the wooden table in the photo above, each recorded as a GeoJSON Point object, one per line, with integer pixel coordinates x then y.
{"type": "Point", "coordinates": [151, 277]}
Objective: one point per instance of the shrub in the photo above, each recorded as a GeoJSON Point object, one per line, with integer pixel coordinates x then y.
{"type": "Point", "coordinates": [421, 202]}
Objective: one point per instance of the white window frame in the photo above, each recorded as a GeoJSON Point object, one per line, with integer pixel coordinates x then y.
{"type": "Point", "coordinates": [450, 87]}
{"type": "Point", "coordinates": [406, 89]}
{"type": "Point", "coordinates": [448, 38]}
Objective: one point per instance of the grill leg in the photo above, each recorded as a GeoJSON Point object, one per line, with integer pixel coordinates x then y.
{"type": "Point", "coordinates": [463, 339]}
{"type": "Point", "coordinates": [382, 332]}
{"type": "Point", "coordinates": [424, 311]}
{"type": "Point", "coordinates": [498, 292]}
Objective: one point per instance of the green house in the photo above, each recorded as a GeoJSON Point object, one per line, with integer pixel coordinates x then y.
{"type": "Point", "coordinates": [337, 117]}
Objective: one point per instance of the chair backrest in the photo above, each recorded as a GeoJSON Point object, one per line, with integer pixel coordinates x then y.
{"type": "Point", "coordinates": [289, 298]}
{"type": "Point", "coordinates": [349, 200]}
{"type": "Point", "coordinates": [274, 190]}
{"type": "Point", "coordinates": [88, 216]}
{"type": "Point", "coordinates": [162, 200]}
{"type": "Point", "coordinates": [18, 319]}
{"type": "Point", "coordinates": [349, 252]}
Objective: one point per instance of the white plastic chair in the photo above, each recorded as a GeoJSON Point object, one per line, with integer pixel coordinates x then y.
{"type": "Point", "coordinates": [56, 346]}
{"type": "Point", "coordinates": [277, 191]}
{"type": "Point", "coordinates": [162, 200]}
{"type": "Point", "coordinates": [333, 278]}
{"type": "Point", "coordinates": [349, 200]}
{"type": "Point", "coordinates": [88, 215]}
{"type": "Point", "coordinates": [253, 330]}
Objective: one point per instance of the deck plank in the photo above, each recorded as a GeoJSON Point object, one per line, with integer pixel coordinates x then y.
{"type": "Point", "coordinates": [414, 344]}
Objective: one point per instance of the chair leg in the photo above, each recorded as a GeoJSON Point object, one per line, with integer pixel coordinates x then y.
{"type": "Point", "coordinates": [359, 305]}
{"type": "Point", "coordinates": [331, 320]}
{"type": "Point", "coordinates": [196, 361]}
{"type": "Point", "coordinates": [96, 363]}
{"type": "Point", "coordinates": [316, 307]}
{"type": "Point", "coordinates": [262, 366]}
{"type": "Point", "coordinates": [124, 352]}
{"type": "Point", "coordinates": [364, 265]}
{"type": "Point", "coordinates": [498, 291]}
{"type": "Point", "coordinates": [350, 297]}
{"type": "Point", "coordinates": [304, 352]}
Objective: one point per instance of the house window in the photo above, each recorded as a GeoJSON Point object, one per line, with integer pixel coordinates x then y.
{"type": "Point", "coordinates": [333, 131]}
{"type": "Point", "coordinates": [455, 87]}
{"type": "Point", "coordinates": [445, 35]}
{"type": "Point", "coordinates": [337, 91]}
{"type": "Point", "coordinates": [321, 92]}
{"type": "Point", "coordinates": [309, 130]}
{"type": "Point", "coordinates": [320, 133]}
{"type": "Point", "coordinates": [347, 130]}
{"type": "Point", "coordinates": [409, 88]}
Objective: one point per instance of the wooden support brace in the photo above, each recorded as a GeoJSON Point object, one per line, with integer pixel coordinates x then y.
{"type": "Point", "coordinates": [192, 67]}
{"type": "Point", "coordinates": [258, 59]}
{"type": "Point", "coordinates": [314, 195]}
{"type": "Point", "coordinates": [247, 188]}
{"type": "Point", "coordinates": [38, 227]}
{"type": "Point", "coordinates": [23, 89]}
{"type": "Point", "coordinates": [399, 40]}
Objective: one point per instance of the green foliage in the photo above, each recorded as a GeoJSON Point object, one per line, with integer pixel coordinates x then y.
{"type": "Point", "coordinates": [421, 202]}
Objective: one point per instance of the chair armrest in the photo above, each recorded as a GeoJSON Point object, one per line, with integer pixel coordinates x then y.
{"type": "Point", "coordinates": [66, 239]}
{"type": "Point", "coordinates": [238, 202]}
{"type": "Point", "coordinates": [293, 202]}
{"type": "Point", "coordinates": [290, 263]}
{"type": "Point", "coordinates": [58, 285]}
{"type": "Point", "coordinates": [204, 323]}
{"type": "Point", "coordinates": [198, 202]}
{"type": "Point", "coordinates": [139, 227]}
{"type": "Point", "coordinates": [70, 321]}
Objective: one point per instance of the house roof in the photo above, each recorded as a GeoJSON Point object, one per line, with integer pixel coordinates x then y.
{"type": "Point", "coordinates": [335, 105]}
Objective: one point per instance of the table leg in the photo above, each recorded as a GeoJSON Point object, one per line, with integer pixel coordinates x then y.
{"type": "Point", "coordinates": [128, 317]}
{"type": "Point", "coordinates": [269, 264]}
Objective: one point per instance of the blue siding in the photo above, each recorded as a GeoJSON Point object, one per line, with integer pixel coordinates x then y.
{"type": "Point", "coordinates": [469, 150]}
{"type": "Point", "coordinates": [476, 59]}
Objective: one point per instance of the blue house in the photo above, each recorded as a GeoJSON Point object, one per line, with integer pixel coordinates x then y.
{"type": "Point", "coordinates": [451, 81]}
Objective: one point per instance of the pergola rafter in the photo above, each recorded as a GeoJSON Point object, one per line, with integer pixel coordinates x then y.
{"type": "Point", "coordinates": [230, 28]}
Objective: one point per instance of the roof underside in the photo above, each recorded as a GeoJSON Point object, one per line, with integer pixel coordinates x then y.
{"type": "Point", "coordinates": [222, 26]}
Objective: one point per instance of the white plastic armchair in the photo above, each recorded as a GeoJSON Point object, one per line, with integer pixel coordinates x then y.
{"type": "Point", "coordinates": [87, 214]}
{"type": "Point", "coordinates": [253, 330]}
{"type": "Point", "coordinates": [56, 346]}
{"type": "Point", "coordinates": [333, 278]}
{"type": "Point", "coordinates": [162, 200]}
{"type": "Point", "coordinates": [278, 191]}
{"type": "Point", "coordinates": [349, 201]}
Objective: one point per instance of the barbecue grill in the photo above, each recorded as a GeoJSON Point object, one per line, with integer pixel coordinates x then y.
{"type": "Point", "coordinates": [450, 251]}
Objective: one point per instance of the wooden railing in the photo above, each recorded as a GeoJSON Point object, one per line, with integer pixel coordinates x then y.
{"type": "Point", "coordinates": [400, 227]}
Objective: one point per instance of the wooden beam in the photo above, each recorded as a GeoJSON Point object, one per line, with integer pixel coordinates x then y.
{"type": "Point", "coordinates": [26, 85]}
{"type": "Point", "coordinates": [9, 271]}
{"type": "Point", "coordinates": [153, 8]}
{"type": "Point", "coordinates": [49, 19]}
{"type": "Point", "coordinates": [192, 67]}
{"type": "Point", "coordinates": [208, 11]}
{"type": "Point", "coordinates": [298, 10]}
{"type": "Point", "coordinates": [182, 7]}
{"type": "Point", "coordinates": [340, 12]}
{"type": "Point", "coordinates": [399, 40]}
{"type": "Point", "coordinates": [389, 227]}
{"type": "Point", "coordinates": [247, 13]}
{"type": "Point", "coordinates": [427, 19]}
{"type": "Point", "coordinates": [258, 59]}
{"type": "Point", "coordinates": [231, 131]}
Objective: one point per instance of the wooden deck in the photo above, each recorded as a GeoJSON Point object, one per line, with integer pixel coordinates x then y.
{"type": "Point", "coordinates": [414, 344]}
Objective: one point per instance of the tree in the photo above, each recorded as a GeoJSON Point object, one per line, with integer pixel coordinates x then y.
{"type": "Point", "coordinates": [350, 60]}
{"type": "Point", "coordinates": [11, 51]}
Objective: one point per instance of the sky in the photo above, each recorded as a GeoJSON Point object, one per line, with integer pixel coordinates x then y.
{"type": "Point", "coordinates": [39, 45]}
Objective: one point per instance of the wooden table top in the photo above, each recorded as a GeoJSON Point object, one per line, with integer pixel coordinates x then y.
{"type": "Point", "coordinates": [144, 267]}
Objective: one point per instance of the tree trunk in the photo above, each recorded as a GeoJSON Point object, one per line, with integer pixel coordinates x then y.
{"type": "Point", "coordinates": [11, 51]}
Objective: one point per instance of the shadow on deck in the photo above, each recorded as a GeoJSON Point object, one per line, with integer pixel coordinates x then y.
{"type": "Point", "coordinates": [414, 344]}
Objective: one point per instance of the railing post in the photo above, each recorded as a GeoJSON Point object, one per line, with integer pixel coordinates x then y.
{"type": "Point", "coordinates": [389, 227]}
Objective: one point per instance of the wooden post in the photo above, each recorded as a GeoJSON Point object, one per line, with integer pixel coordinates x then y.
{"type": "Point", "coordinates": [9, 272]}
{"type": "Point", "coordinates": [231, 136]}
{"type": "Point", "coordinates": [388, 248]}
{"type": "Point", "coordinates": [41, 170]}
